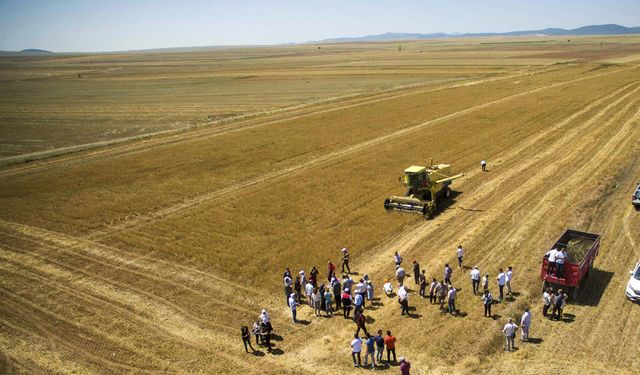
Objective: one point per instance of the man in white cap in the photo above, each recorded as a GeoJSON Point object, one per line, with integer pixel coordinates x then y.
{"type": "Point", "coordinates": [345, 260]}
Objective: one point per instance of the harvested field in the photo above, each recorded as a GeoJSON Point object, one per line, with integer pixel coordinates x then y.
{"type": "Point", "coordinates": [147, 255]}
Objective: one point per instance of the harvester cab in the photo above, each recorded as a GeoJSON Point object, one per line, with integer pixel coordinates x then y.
{"type": "Point", "coordinates": [424, 186]}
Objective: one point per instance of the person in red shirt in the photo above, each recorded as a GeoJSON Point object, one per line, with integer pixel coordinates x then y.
{"type": "Point", "coordinates": [331, 270]}
{"type": "Point", "coordinates": [390, 343]}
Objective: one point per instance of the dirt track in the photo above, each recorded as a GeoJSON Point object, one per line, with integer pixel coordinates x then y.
{"type": "Point", "coordinates": [122, 298]}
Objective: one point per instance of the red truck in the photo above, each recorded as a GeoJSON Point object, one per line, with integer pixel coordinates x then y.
{"type": "Point", "coordinates": [582, 249]}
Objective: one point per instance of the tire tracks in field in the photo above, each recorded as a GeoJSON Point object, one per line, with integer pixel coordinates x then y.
{"type": "Point", "coordinates": [21, 310]}
{"type": "Point", "coordinates": [407, 241]}
{"type": "Point", "coordinates": [161, 139]}
{"type": "Point", "coordinates": [150, 217]}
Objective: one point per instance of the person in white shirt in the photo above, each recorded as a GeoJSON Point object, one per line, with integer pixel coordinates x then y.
{"type": "Point", "coordinates": [509, 276]}
{"type": "Point", "coordinates": [501, 279]}
{"type": "Point", "coordinates": [546, 298]}
{"type": "Point", "coordinates": [308, 290]}
{"type": "Point", "coordinates": [460, 254]}
{"type": "Point", "coordinates": [485, 282]}
{"type": "Point", "coordinates": [525, 323]}
{"type": "Point", "coordinates": [551, 255]}
{"type": "Point", "coordinates": [356, 348]}
{"type": "Point", "coordinates": [400, 274]}
{"type": "Point", "coordinates": [509, 331]}
{"type": "Point", "coordinates": [475, 279]}
{"type": "Point", "coordinates": [561, 257]}
{"type": "Point", "coordinates": [483, 165]}
{"type": "Point", "coordinates": [397, 258]}
{"type": "Point", "coordinates": [451, 300]}
{"type": "Point", "coordinates": [387, 288]}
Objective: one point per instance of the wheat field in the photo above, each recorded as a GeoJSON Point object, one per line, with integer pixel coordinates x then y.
{"type": "Point", "coordinates": [146, 253]}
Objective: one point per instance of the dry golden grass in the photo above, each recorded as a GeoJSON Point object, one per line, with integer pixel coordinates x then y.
{"type": "Point", "coordinates": [147, 256]}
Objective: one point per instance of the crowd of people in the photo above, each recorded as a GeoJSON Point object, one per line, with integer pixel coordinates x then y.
{"type": "Point", "coordinates": [344, 295]}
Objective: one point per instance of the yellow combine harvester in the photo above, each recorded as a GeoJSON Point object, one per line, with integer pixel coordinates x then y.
{"type": "Point", "coordinates": [424, 186]}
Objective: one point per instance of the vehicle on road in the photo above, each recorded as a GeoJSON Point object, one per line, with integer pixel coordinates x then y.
{"type": "Point", "coordinates": [582, 248]}
{"type": "Point", "coordinates": [635, 198]}
{"type": "Point", "coordinates": [633, 286]}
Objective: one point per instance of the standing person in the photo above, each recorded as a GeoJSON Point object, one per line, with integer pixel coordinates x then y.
{"type": "Point", "coordinates": [416, 271]}
{"type": "Point", "coordinates": [256, 332]}
{"type": "Point", "coordinates": [308, 289]}
{"type": "Point", "coordinates": [246, 338]}
{"type": "Point", "coordinates": [397, 258]}
{"type": "Point", "coordinates": [303, 278]}
{"type": "Point", "coordinates": [546, 302]}
{"type": "Point", "coordinates": [551, 255]}
{"type": "Point", "coordinates": [287, 273]}
{"type": "Point", "coordinates": [266, 320]}
{"type": "Point", "coordinates": [403, 299]}
{"type": "Point", "coordinates": [475, 279]}
{"type": "Point", "coordinates": [509, 276]}
{"type": "Point", "coordinates": [313, 276]}
{"type": "Point", "coordinates": [557, 305]}
{"type": "Point", "coordinates": [442, 293]}
{"type": "Point", "coordinates": [501, 280]}
{"type": "Point", "coordinates": [265, 333]}
{"type": "Point", "coordinates": [337, 291]}
{"type": "Point", "coordinates": [525, 323]}
{"type": "Point", "coordinates": [390, 343]}
{"type": "Point", "coordinates": [347, 282]}
{"type": "Point", "coordinates": [561, 257]}
{"type": "Point", "coordinates": [361, 323]}
{"type": "Point", "coordinates": [422, 280]}
{"type": "Point", "coordinates": [371, 350]}
{"type": "Point", "coordinates": [460, 254]}
{"type": "Point", "coordinates": [387, 288]}
{"type": "Point", "coordinates": [509, 331]}
{"type": "Point", "coordinates": [447, 274]}
{"type": "Point", "coordinates": [433, 290]}
{"type": "Point", "coordinates": [345, 260]}
{"type": "Point", "coordinates": [293, 305]}
{"type": "Point", "coordinates": [379, 345]}
{"type": "Point", "coordinates": [356, 348]}
{"type": "Point", "coordinates": [485, 282]}
{"type": "Point", "coordinates": [405, 366]}
{"type": "Point", "coordinates": [487, 300]}
{"type": "Point", "coordinates": [483, 165]}
{"type": "Point", "coordinates": [452, 300]}
{"type": "Point", "coordinates": [327, 302]}
{"type": "Point", "coordinates": [346, 303]}
{"type": "Point", "coordinates": [361, 289]}
{"type": "Point", "coordinates": [316, 298]}
{"type": "Point", "coordinates": [331, 270]}
{"type": "Point", "coordinates": [297, 286]}
{"type": "Point", "coordinates": [287, 288]}
{"type": "Point", "coordinates": [369, 290]}
{"type": "Point", "coordinates": [564, 303]}
{"type": "Point", "coordinates": [400, 274]}
{"type": "Point", "coordinates": [358, 302]}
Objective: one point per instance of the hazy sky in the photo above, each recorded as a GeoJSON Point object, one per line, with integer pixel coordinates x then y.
{"type": "Point", "coordinates": [110, 25]}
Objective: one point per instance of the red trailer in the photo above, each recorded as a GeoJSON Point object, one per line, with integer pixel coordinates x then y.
{"type": "Point", "coordinates": [582, 248]}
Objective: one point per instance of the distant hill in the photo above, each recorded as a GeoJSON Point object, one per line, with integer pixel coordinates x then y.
{"type": "Point", "coordinates": [34, 50]}
{"type": "Point", "coordinates": [609, 29]}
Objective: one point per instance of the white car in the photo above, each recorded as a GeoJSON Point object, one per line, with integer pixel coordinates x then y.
{"type": "Point", "coordinates": [635, 198]}
{"type": "Point", "coordinates": [633, 286]}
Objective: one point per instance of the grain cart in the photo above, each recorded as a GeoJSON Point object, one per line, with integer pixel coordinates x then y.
{"type": "Point", "coordinates": [424, 185]}
{"type": "Point", "coordinates": [582, 249]}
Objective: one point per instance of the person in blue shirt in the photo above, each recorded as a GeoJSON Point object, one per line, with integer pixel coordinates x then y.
{"type": "Point", "coordinates": [370, 343]}
{"type": "Point", "coordinates": [380, 345]}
